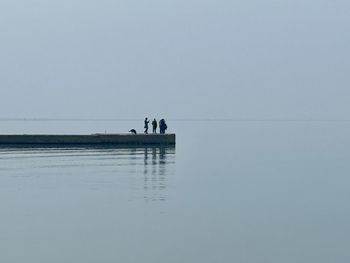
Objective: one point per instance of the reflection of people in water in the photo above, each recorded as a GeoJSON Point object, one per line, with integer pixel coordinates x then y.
{"type": "Point", "coordinates": [154, 156]}
{"type": "Point", "coordinates": [162, 155]}
{"type": "Point", "coordinates": [146, 156]}
{"type": "Point", "coordinates": [155, 185]}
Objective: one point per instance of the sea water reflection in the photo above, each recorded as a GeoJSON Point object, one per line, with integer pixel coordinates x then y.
{"type": "Point", "coordinates": [138, 172]}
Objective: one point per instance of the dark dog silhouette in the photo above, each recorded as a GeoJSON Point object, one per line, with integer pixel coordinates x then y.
{"type": "Point", "coordinates": [133, 131]}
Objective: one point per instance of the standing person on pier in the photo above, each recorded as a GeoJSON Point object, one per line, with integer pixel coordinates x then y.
{"type": "Point", "coordinates": [154, 125]}
{"type": "Point", "coordinates": [146, 125]}
{"type": "Point", "coordinates": [162, 126]}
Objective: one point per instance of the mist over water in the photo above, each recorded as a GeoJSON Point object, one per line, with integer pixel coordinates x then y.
{"type": "Point", "coordinates": [228, 192]}
{"type": "Point", "coordinates": [257, 93]}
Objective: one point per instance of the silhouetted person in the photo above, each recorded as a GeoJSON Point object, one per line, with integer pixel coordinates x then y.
{"type": "Point", "coordinates": [162, 126]}
{"type": "Point", "coordinates": [133, 131]}
{"type": "Point", "coordinates": [154, 126]}
{"type": "Point", "coordinates": [146, 125]}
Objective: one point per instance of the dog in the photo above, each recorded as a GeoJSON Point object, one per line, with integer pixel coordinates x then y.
{"type": "Point", "coordinates": [133, 131]}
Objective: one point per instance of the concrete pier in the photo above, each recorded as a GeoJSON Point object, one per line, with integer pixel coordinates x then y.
{"type": "Point", "coordinates": [93, 139]}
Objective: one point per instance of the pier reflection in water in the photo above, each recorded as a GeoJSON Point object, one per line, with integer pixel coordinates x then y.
{"type": "Point", "coordinates": [136, 172]}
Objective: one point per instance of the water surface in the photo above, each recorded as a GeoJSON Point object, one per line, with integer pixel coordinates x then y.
{"type": "Point", "coordinates": [229, 192]}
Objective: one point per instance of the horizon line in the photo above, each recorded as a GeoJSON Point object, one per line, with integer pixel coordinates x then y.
{"type": "Point", "coordinates": [179, 119]}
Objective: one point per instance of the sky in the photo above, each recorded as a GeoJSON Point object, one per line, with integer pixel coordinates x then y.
{"type": "Point", "coordinates": [252, 59]}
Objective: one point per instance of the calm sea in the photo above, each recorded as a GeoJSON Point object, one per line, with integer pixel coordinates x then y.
{"type": "Point", "coordinates": [254, 191]}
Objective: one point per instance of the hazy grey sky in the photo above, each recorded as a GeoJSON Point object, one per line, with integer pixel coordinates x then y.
{"type": "Point", "coordinates": [183, 58]}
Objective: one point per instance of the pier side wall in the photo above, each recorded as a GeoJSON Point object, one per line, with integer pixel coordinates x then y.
{"type": "Point", "coordinates": [117, 139]}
